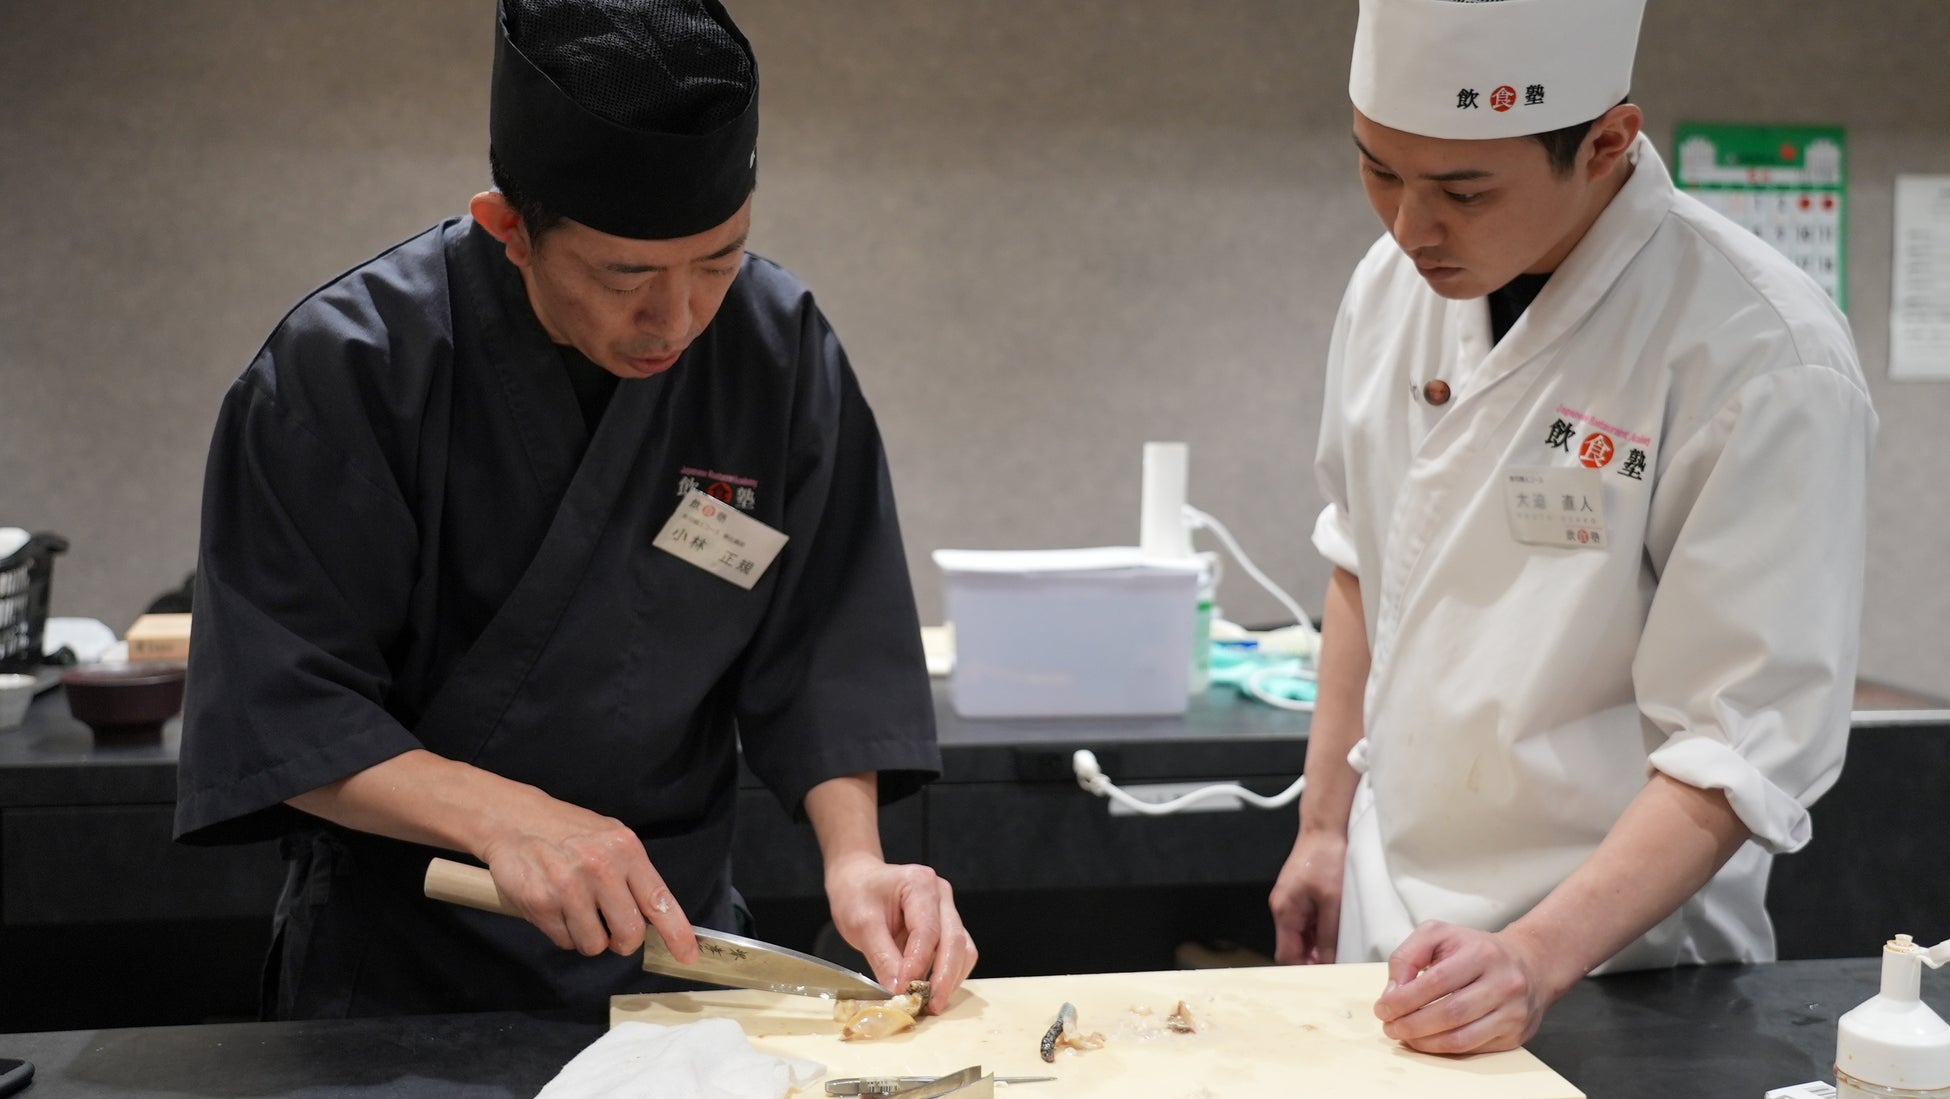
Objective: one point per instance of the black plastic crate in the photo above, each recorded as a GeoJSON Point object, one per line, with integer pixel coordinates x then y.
{"type": "Point", "coordinates": [26, 578]}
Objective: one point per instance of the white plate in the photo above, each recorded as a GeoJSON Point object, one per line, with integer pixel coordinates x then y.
{"type": "Point", "coordinates": [89, 638]}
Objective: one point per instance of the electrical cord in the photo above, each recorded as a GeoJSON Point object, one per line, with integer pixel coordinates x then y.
{"type": "Point", "coordinates": [1091, 777]}
{"type": "Point", "coordinates": [1255, 684]}
{"type": "Point", "coordinates": [1198, 518]}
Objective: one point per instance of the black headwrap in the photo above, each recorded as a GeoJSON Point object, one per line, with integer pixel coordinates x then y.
{"type": "Point", "coordinates": [637, 118]}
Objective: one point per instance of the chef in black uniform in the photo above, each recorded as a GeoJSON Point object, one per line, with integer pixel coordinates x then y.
{"type": "Point", "coordinates": [515, 536]}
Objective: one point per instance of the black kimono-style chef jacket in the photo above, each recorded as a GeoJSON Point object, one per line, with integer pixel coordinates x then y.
{"type": "Point", "coordinates": [411, 540]}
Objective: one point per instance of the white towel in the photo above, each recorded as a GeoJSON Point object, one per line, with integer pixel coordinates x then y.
{"type": "Point", "coordinates": [708, 1059]}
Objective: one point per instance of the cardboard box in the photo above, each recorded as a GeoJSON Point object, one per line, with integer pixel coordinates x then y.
{"type": "Point", "coordinates": [159, 637]}
{"type": "Point", "coordinates": [1079, 633]}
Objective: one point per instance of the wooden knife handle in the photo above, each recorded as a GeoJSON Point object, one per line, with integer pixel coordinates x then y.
{"type": "Point", "coordinates": [473, 886]}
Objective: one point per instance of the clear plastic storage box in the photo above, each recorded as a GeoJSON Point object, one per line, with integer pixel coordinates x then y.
{"type": "Point", "coordinates": [1069, 633]}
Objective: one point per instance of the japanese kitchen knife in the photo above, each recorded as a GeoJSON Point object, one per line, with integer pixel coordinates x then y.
{"type": "Point", "coordinates": [723, 958]}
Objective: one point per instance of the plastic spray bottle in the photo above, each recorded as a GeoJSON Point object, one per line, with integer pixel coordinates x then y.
{"type": "Point", "coordinates": [1893, 1046]}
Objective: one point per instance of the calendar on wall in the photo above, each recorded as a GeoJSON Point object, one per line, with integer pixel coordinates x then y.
{"type": "Point", "coordinates": [1786, 184]}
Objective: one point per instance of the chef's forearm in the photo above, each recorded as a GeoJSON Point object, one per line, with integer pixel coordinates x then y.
{"type": "Point", "coordinates": [1671, 840]}
{"type": "Point", "coordinates": [1337, 723]}
{"type": "Point", "coordinates": [845, 815]}
{"type": "Point", "coordinates": [428, 799]}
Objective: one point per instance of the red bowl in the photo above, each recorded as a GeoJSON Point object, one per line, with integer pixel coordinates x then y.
{"type": "Point", "coordinates": [125, 700]}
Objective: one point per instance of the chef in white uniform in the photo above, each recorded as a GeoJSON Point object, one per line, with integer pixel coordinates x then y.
{"type": "Point", "coordinates": [1596, 465]}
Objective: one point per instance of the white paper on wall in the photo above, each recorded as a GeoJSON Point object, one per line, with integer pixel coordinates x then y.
{"type": "Point", "coordinates": [1919, 292]}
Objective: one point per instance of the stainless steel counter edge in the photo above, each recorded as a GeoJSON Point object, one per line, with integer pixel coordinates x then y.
{"type": "Point", "coordinates": [1870, 719]}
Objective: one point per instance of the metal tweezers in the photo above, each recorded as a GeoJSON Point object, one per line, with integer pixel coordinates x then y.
{"type": "Point", "coordinates": [969, 1083]}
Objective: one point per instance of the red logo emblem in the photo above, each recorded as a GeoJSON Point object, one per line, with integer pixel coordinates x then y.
{"type": "Point", "coordinates": [1584, 536]}
{"type": "Point", "coordinates": [709, 511]}
{"type": "Point", "coordinates": [720, 491]}
{"type": "Point", "coordinates": [1597, 450]}
{"type": "Point", "coordinates": [1503, 98]}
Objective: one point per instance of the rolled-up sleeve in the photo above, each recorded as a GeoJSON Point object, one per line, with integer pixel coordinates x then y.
{"type": "Point", "coordinates": [1748, 656]}
{"type": "Point", "coordinates": [1334, 540]}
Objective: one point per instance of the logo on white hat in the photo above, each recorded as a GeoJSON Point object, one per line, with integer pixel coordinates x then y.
{"type": "Point", "coordinates": [1502, 99]}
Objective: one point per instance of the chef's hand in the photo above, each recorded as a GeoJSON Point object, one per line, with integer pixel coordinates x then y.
{"type": "Point", "coordinates": [1458, 990]}
{"type": "Point", "coordinates": [1306, 899]}
{"type": "Point", "coordinates": [902, 918]}
{"type": "Point", "coordinates": [587, 882]}
{"type": "Point", "coordinates": [581, 877]}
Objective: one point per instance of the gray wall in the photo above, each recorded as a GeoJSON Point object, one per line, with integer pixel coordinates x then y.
{"type": "Point", "coordinates": [1046, 232]}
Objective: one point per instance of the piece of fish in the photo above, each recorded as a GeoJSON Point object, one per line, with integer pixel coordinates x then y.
{"type": "Point", "coordinates": [867, 1020]}
{"type": "Point", "coordinates": [1063, 1032]}
{"type": "Point", "coordinates": [1181, 1020]}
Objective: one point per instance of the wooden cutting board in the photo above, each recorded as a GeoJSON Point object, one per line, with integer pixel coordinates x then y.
{"type": "Point", "coordinates": [1291, 1031]}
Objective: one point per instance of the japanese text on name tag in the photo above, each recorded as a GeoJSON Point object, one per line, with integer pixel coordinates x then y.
{"type": "Point", "coordinates": [720, 539]}
{"type": "Point", "coordinates": [1555, 507]}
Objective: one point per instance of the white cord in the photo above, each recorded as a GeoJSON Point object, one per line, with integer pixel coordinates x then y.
{"type": "Point", "coordinates": [1253, 685]}
{"type": "Point", "coordinates": [1198, 518]}
{"type": "Point", "coordinates": [1092, 778]}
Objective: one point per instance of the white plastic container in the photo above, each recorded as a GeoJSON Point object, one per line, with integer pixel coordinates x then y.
{"type": "Point", "coordinates": [1069, 633]}
{"type": "Point", "coordinates": [1893, 1046]}
{"type": "Point", "coordinates": [16, 694]}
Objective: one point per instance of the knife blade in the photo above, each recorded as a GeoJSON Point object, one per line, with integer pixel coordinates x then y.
{"type": "Point", "coordinates": [723, 958]}
{"type": "Point", "coordinates": [896, 1085]}
{"type": "Point", "coordinates": [942, 1085]}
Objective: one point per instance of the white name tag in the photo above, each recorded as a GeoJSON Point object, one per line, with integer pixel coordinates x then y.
{"type": "Point", "coordinates": [720, 539]}
{"type": "Point", "coordinates": [1555, 507]}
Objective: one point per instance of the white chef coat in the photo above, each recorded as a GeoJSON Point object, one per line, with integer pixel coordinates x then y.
{"type": "Point", "coordinates": [1520, 694]}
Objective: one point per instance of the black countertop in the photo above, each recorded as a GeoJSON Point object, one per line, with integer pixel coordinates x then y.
{"type": "Point", "coordinates": [53, 759]}
{"type": "Point", "coordinates": [1726, 1032]}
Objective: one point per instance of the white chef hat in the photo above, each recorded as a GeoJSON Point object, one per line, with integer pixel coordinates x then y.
{"type": "Point", "coordinates": [1492, 68]}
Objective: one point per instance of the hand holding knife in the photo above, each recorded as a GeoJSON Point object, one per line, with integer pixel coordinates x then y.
{"type": "Point", "coordinates": [723, 958]}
